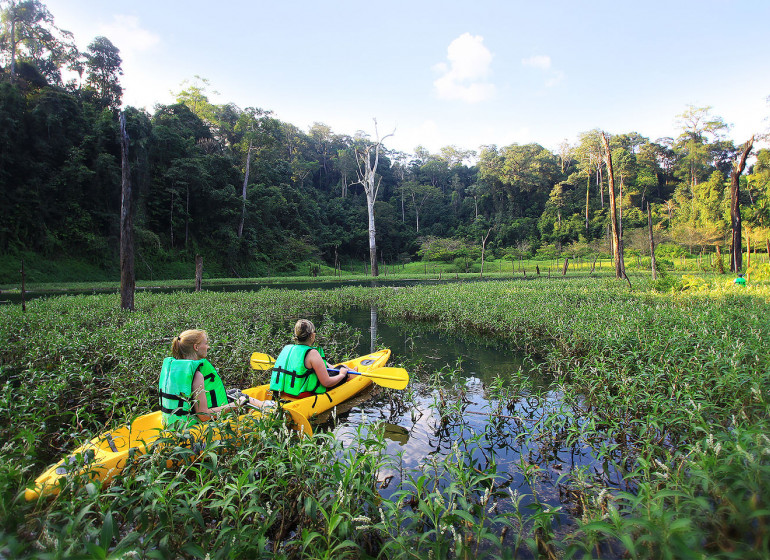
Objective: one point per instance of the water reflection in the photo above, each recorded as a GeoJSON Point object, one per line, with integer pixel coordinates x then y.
{"type": "Point", "coordinates": [465, 394]}
{"type": "Point", "coordinates": [373, 329]}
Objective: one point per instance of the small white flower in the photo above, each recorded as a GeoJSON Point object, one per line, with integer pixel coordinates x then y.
{"type": "Point", "coordinates": [485, 499]}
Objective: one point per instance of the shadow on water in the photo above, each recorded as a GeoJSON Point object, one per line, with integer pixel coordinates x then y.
{"type": "Point", "coordinates": [467, 394]}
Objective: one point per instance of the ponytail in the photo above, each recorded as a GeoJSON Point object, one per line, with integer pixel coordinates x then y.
{"type": "Point", "coordinates": [183, 346]}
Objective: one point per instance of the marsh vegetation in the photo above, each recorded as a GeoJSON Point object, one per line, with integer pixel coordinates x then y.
{"type": "Point", "coordinates": [637, 428]}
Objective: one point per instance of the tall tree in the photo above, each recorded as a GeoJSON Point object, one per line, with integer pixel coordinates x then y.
{"type": "Point", "coordinates": [28, 34]}
{"type": "Point", "coordinates": [419, 194]}
{"type": "Point", "coordinates": [194, 96]}
{"type": "Point", "coordinates": [368, 158]}
{"type": "Point", "coordinates": [251, 126]}
{"type": "Point", "coordinates": [589, 156]}
{"type": "Point", "coordinates": [322, 141]}
{"type": "Point", "coordinates": [736, 251]}
{"type": "Point", "coordinates": [697, 126]}
{"type": "Point", "coordinates": [617, 241]}
{"type": "Point", "coordinates": [653, 265]}
{"type": "Point", "coordinates": [103, 65]}
{"type": "Point", "coordinates": [127, 276]}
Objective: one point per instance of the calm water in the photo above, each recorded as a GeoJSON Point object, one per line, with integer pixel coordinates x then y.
{"type": "Point", "coordinates": [14, 297]}
{"type": "Point", "coordinates": [461, 371]}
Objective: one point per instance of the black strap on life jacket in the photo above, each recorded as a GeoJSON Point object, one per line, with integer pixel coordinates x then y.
{"type": "Point", "coordinates": [179, 411]}
{"type": "Point", "coordinates": [295, 376]}
{"type": "Point", "coordinates": [212, 393]}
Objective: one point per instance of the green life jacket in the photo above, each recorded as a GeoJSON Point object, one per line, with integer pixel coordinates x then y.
{"type": "Point", "coordinates": [289, 374]}
{"type": "Point", "coordinates": [175, 389]}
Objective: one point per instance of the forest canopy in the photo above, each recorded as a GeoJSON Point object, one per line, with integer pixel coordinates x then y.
{"type": "Point", "coordinates": [256, 195]}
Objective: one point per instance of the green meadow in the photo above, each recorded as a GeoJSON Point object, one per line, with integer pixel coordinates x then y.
{"type": "Point", "coordinates": [664, 384]}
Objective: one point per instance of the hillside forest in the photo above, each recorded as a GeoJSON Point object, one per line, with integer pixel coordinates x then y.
{"type": "Point", "coordinates": [256, 196]}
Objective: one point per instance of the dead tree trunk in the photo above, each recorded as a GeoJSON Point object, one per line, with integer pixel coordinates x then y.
{"type": "Point", "coordinates": [652, 244]}
{"type": "Point", "coordinates": [367, 177]}
{"type": "Point", "coordinates": [243, 193]}
{"type": "Point", "coordinates": [617, 246]}
{"type": "Point", "coordinates": [564, 269]}
{"type": "Point", "coordinates": [720, 263]}
{"type": "Point", "coordinates": [748, 248]}
{"type": "Point", "coordinates": [736, 251]}
{"type": "Point", "coordinates": [127, 277]}
{"type": "Point", "coordinates": [483, 249]}
{"type": "Point", "coordinates": [588, 191]}
{"type": "Point", "coordinates": [198, 273]}
{"type": "Point", "coordinates": [23, 288]}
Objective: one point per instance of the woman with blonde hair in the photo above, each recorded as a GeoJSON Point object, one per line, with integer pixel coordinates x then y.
{"type": "Point", "coordinates": [301, 369]}
{"type": "Point", "coordinates": [189, 387]}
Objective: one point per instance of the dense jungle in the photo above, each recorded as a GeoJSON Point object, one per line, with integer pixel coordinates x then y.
{"type": "Point", "coordinates": [257, 196]}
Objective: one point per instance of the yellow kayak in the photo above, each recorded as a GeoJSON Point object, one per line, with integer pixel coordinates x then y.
{"type": "Point", "coordinates": [105, 456]}
{"type": "Point", "coordinates": [312, 406]}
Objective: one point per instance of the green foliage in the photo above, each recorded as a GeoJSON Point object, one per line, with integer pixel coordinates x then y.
{"type": "Point", "coordinates": [670, 402]}
{"type": "Point", "coordinates": [669, 250]}
{"type": "Point", "coordinates": [447, 250]}
{"type": "Point", "coordinates": [60, 174]}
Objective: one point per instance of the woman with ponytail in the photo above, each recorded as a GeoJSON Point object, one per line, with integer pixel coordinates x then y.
{"type": "Point", "coordinates": [190, 389]}
{"type": "Point", "coordinates": [301, 369]}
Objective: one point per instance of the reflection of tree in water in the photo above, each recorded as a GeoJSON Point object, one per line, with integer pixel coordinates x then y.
{"type": "Point", "coordinates": [373, 329]}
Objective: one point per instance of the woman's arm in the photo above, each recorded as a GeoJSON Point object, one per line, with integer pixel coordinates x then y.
{"type": "Point", "coordinates": [314, 361]}
{"type": "Point", "coordinates": [201, 406]}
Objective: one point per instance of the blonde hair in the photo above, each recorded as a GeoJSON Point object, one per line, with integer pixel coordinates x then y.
{"type": "Point", "coordinates": [183, 346]}
{"type": "Point", "coordinates": [303, 329]}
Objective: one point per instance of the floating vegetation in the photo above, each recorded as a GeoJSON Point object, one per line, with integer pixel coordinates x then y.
{"type": "Point", "coordinates": [639, 429]}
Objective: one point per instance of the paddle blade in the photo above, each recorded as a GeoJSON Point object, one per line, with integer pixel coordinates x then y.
{"type": "Point", "coordinates": [390, 377]}
{"type": "Point", "coordinates": [261, 361]}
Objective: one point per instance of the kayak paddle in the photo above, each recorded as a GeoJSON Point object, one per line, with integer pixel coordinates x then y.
{"type": "Point", "coordinates": [261, 361]}
{"type": "Point", "coordinates": [390, 377]}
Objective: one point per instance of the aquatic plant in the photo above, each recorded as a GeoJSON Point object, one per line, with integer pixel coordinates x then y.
{"type": "Point", "coordinates": [643, 435]}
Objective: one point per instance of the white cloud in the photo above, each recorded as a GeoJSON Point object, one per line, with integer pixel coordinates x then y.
{"type": "Point", "coordinates": [126, 33]}
{"type": "Point", "coordinates": [538, 61]}
{"type": "Point", "coordinates": [141, 87]}
{"type": "Point", "coordinates": [555, 78]}
{"type": "Point", "coordinates": [464, 75]}
{"type": "Point", "coordinates": [543, 62]}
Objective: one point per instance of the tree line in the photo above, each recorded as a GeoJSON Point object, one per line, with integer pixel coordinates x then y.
{"type": "Point", "coordinates": [255, 195]}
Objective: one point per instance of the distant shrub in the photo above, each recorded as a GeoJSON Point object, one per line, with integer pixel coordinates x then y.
{"type": "Point", "coordinates": [759, 272]}
{"type": "Point", "coordinates": [691, 283]}
{"type": "Point", "coordinates": [671, 250]}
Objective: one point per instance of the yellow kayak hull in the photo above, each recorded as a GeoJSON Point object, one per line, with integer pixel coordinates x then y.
{"type": "Point", "coordinates": [312, 406]}
{"type": "Point", "coordinates": [105, 456]}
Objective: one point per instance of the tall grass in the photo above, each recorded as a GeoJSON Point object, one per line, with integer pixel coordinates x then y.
{"type": "Point", "coordinates": [667, 393]}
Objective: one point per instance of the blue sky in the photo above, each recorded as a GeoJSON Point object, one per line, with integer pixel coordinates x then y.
{"type": "Point", "coordinates": [448, 73]}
